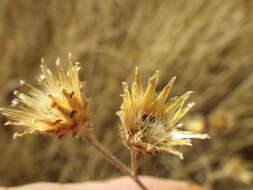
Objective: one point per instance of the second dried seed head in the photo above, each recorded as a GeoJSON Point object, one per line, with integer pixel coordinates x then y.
{"type": "Point", "coordinates": [149, 123]}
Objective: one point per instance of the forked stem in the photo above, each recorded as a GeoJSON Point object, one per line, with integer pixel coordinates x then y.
{"type": "Point", "coordinates": [111, 158]}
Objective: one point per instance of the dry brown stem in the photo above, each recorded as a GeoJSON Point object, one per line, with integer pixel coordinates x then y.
{"type": "Point", "coordinates": [134, 166]}
{"type": "Point", "coordinates": [111, 158]}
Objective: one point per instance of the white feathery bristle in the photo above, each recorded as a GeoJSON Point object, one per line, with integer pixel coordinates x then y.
{"type": "Point", "coordinates": [70, 56]}
{"type": "Point", "coordinates": [42, 60]}
{"type": "Point", "coordinates": [14, 102]}
{"type": "Point", "coordinates": [15, 92]}
{"type": "Point", "coordinates": [41, 78]}
{"type": "Point", "coordinates": [190, 105]}
{"type": "Point", "coordinates": [58, 61]}
{"type": "Point", "coordinates": [189, 92]}
{"type": "Point", "coordinates": [7, 123]}
{"type": "Point", "coordinates": [49, 71]}
{"type": "Point", "coordinates": [21, 82]}
{"type": "Point", "coordinates": [180, 125]}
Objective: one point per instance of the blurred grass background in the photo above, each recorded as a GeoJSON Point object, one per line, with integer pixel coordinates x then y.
{"type": "Point", "coordinates": [206, 44]}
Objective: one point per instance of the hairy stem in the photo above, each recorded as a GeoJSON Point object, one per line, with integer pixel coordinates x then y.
{"type": "Point", "coordinates": [111, 158]}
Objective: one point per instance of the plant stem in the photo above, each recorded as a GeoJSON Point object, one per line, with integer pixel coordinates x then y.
{"type": "Point", "coordinates": [134, 155]}
{"type": "Point", "coordinates": [134, 166]}
{"type": "Point", "coordinates": [111, 158]}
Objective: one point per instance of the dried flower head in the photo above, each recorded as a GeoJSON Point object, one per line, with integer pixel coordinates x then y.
{"type": "Point", "coordinates": [149, 123]}
{"type": "Point", "coordinates": [58, 108]}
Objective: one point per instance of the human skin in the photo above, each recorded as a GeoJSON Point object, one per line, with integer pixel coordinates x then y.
{"type": "Point", "coordinates": [121, 183]}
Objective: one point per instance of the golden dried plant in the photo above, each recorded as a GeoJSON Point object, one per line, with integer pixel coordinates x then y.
{"type": "Point", "coordinates": [58, 108]}
{"type": "Point", "coordinates": [149, 123]}
{"type": "Point", "coordinates": [208, 47]}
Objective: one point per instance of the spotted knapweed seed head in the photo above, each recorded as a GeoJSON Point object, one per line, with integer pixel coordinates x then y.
{"type": "Point", "coordinates": [150, 123]}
